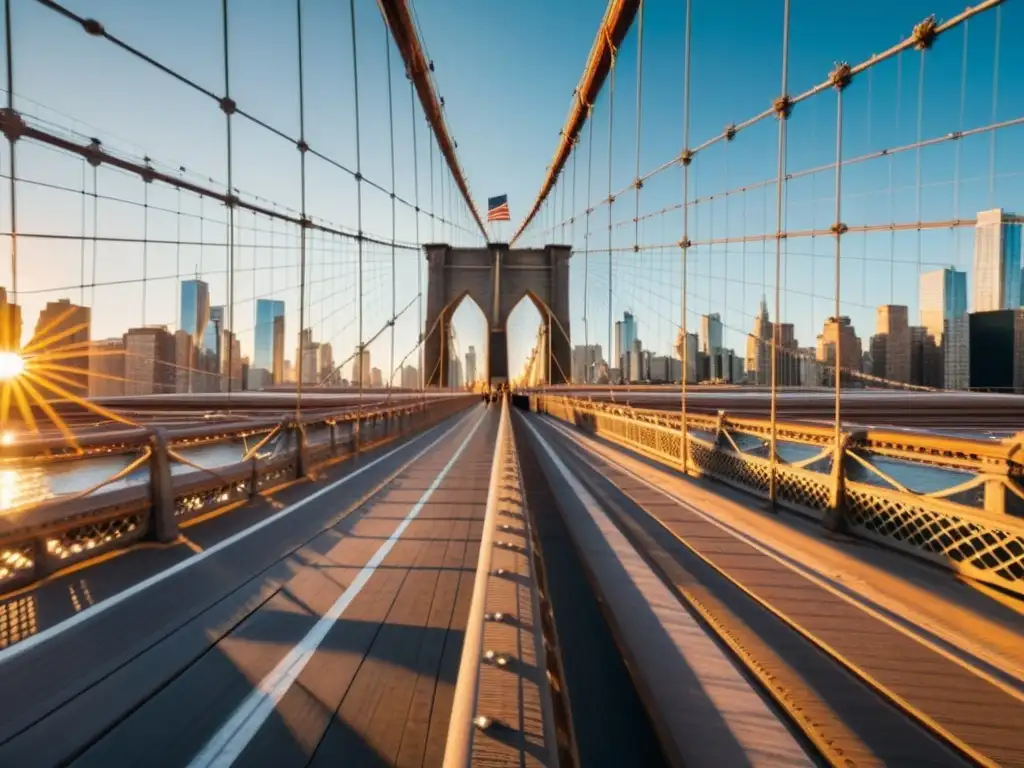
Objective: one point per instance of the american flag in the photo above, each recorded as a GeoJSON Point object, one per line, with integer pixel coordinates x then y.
{"type": "Point", "coordinates": [497, 208]}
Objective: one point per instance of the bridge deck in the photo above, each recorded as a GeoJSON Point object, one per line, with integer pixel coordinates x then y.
{"type": "Point", "coordinates": [728, 579]}
{"type": "Point", "coordinates": [704, 709]}
{"type": "Point", "coordinates": [338, 632]}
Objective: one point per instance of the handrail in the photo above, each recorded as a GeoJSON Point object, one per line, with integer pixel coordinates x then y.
{"type": "Point", "coordinates": [914, 444]}
{"type": "Point", "coordinates": [44, 536]}
{"type": "Point", "coordinates": [129, 439]}
{"type": "Point", "coordinates": [971, 525]}
{"type": "Point", "coordinates": [458, 748]}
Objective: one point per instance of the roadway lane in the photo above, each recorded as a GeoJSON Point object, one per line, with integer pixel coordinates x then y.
{"type": "Point", "coordinates": [334, 628]}
{"type": "Point", "coordinates": [906, 701]}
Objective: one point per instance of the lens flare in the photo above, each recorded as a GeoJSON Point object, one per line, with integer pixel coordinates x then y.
{"type": "Point", "coordinates": [12, 365]}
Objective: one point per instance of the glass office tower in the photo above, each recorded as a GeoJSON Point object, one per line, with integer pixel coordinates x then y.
{"type": "Point", "coordinates": [268, 345]}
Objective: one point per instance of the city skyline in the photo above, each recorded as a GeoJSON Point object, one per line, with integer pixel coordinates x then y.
{"type": "Point", "coordinates": [726, 278]}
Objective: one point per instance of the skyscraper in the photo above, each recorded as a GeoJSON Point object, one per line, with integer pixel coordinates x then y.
{"type": "Point", "coordinates": [997, 261]}
{"type": "Point", "coordinates": [195, 315]}
{"type": "Point", "coordinates": [471, 365]}
{"type": "Point", "coordinates": [66, 326]}
{"type": "Point", "coordinates": [890, 346]}
{"type": "Point", "coordinates": [361, 368]}
{"type": "Point", "coordinates": [944, 317]}
{"type": "Point", "coordinates": [711, 332]}
{"type": "Point", "coordinates": [759, 345]}
{"type": "Point", "coordinates": [10, 323]}
{"type": "Point", "coordinates": [195, 308]}
{"type": "Point", "coordinates": [106, 368]}
{"type": "Point", "coordinates": [149, 361]}
{"type": "Point", "coordinates": [268, 341]}
{"type": "Point", "coordinates": [839, 330]}
{"type": "Point", "coordinates": [309, 356]}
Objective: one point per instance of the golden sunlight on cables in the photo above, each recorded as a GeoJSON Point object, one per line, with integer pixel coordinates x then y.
{"type": "Point", "coordinates": [51, 369]}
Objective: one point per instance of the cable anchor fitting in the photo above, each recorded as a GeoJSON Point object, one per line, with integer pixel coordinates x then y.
{"type": "Point", "coordinates": [305, 222]}
{"type": "Point", "coordinates": [638, 184]}
{"type": "Point", "coordinates": [12, 124]}
{"type": "Point", "coordinates": [94, 153]}
{"type": "Point", "coordinates": [783, 107]}
{"type": "Point", "coordinates": [230, 200]}
{"type": "Point", "coordinates": [730, 132]}
{"type": "Point", "coordinates": [841, 76]}
{"type": "Point", "coordinates": [93, 27]}
{"type": "Point", "coordinates": [685, 243]}
{"type": "Point", "coordinates": [839, 228]}
{"type": "Point", "coordinates": [228, 105]}
{"type": "Point", "coordinates": [148, 174]}
{"type": "Point", "coordinates": [685, 157]}
{"type": "Point", "coordinates": [924, 33]}
{"type": "Point", "coordinates": [302, 146]}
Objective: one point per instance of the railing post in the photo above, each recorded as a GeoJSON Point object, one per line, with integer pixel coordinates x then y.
{"type": "Point", "coordinates": [995, 495]}
{"type": "Point", "coordinates": [299, 441]}
{"type": "Point", "coordinates": [163, 526]}
{"type": "Point", "coordinates": [835, 517]}
{"type": "Point", "coordinates": [333, 432]}
{"type": "Point", "coordinates": [720, 428]}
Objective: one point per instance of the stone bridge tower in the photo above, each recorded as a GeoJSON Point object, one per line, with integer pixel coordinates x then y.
{"type": "Point", "coordinates": [497, 277]}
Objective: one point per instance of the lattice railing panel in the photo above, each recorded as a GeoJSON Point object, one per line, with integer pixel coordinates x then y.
{"type": "Point", "coordinates": [198, 502]}
{"type": "Point", "coordinates": [16, 561]}
{"type": "Point", "coordinates": [939, 531]}
{"type": "Point", "coordinates": [988, 545]}
{"type": "Point", "coordinates": [87, 539]}
{"type": "Point", "coordinates": [804, 489]}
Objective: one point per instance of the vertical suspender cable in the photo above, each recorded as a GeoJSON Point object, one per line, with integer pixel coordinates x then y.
{"type": "Point", "coordinates": [637, 184]}
{"type": "Point", "coordinates": [586, 237]}
{"type": "Point", "coordinates": [303, 222]}
{"type": "Point", "coordinates": [391, 131]}
{"type": "Point", "coordinates": [838, 227]}
{"type": "Point", "coordinates": [611, 123]}
{"type": "Point", "coordinates": [684, 243]}
{"type": "Point", "coordinates": [229, 108]}
{"type": "Point", "coordinates": [995, 106]}
{"type": "Point", "coordinates": [14, 174]}
{"type": "Point", "coordinates": [783, 116]}
{"type": "Point", "coordinates": [419, 258]}
{"type": "Point", "coordinates": [81, 290]}
{"type": "Point", "coordinates": [359, 217]}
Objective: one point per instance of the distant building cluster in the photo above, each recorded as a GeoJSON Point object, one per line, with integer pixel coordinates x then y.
{"type": "Point", "coordinates": [203, 355]}
{"type": "Point", "coordinates": [949, 348]}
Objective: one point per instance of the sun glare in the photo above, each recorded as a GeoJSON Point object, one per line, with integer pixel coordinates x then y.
{"type": "Point", "coordinates": [12, 365]}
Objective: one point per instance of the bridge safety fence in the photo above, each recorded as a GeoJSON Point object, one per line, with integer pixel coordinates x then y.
{"type": "Point", "coordinates": [956, 502]}
{"type": "Point", "coordinates": [39, 539]}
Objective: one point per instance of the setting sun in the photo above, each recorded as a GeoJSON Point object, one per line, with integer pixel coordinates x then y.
{"type": "Point", "coordinates": [12, 365]}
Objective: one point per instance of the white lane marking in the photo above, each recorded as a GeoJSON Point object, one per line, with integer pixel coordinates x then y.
{"type": "Point", "coordinates": [771, 547]}
{"type": "Point", "coordinates": [232, 738]}
{"type": "Point", "coordinates": [93, 610]}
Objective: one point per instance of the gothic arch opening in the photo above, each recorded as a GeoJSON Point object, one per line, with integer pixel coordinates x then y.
{"type": "Point", "coordinates": [466, 355]}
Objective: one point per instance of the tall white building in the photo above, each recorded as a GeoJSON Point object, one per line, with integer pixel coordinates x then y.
{"type": "Point", "coordinates": [711, 330]}
{"type": "Point", "coordinates": [361, 368]}
{"type": "Point", "coordinates": [471, 365]}
{"type": "Point", "coordinates": [997, 261]}
{"type": "Point", "coordinates": [944, 318]}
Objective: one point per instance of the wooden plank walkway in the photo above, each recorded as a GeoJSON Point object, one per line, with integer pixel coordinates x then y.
{"type": "Point", "coordinates": [347, 645]}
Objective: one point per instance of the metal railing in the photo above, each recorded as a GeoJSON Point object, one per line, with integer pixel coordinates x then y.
{"type": "Point", "coordinates": [958, 502]}
{"type": "Point", "coordinates": [39, 539]}
{"type": "Point", "coordinates": [458, 748]}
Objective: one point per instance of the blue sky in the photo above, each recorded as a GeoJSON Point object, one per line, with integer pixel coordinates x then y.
{"type": "Point", "coordinates": [507, 73]}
